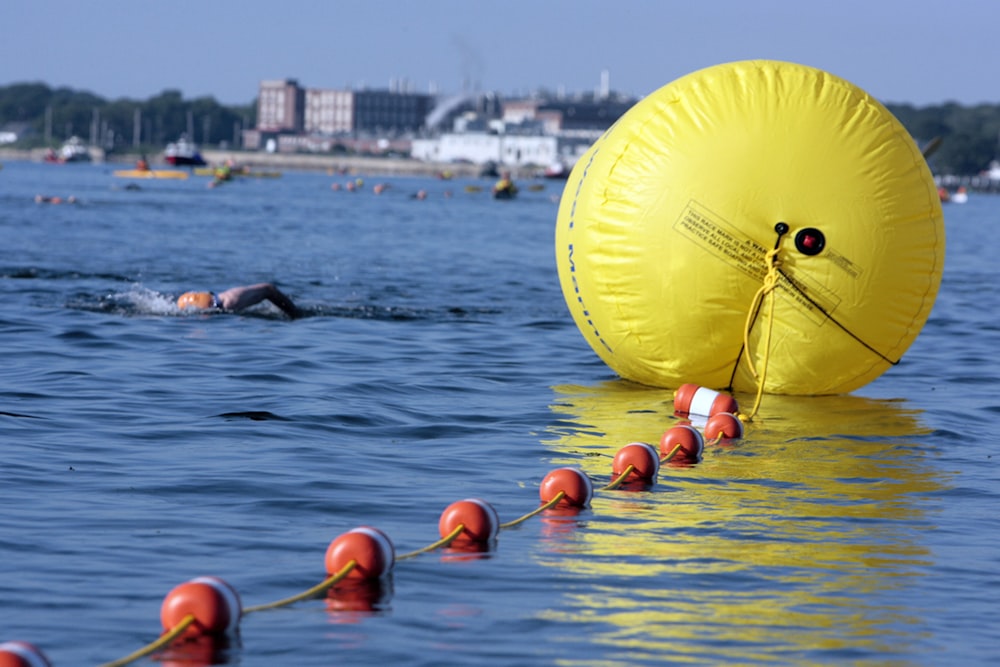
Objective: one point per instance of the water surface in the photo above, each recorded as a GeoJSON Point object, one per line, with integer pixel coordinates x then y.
{"type": "Point", "coordinates": [144, 447]}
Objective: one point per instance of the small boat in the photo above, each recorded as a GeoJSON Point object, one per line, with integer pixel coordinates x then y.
{"type": "Point", "coordinates": [151, 173]}
{"type": "Point", "coordinates": [489, 170]}
{"type": "Point", "coordinates": [74, 150]}
{"type": "Point", "coordinates": [959, 196]}
{"type": "Point", "coordinates": [183, 153]}
{"type": "Point", "coordinates": [556, 170]}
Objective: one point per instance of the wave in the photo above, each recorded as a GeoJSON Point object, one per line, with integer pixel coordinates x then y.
{"type": "Point", "coordinates": [39, 273]}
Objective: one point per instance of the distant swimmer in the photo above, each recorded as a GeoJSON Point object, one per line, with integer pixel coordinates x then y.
{"type": "Point", "coordinates": [45, 199]}
{"type": "Point", "coordinates": [222, 174]}
{"type": "Point", "coordinates": [505, 187]}
{"type": "Point", "coordinates": [238, 298]}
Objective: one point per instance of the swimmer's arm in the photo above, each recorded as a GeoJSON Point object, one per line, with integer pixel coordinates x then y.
{"type": "Point", "coordinates": [238, 298]}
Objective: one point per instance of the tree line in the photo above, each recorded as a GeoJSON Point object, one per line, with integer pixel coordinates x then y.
{"type": "Point", "coordinates": [970, 136]}
{"type": "Point", "coordinates": [47, 117]}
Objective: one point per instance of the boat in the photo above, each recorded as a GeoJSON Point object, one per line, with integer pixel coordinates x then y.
{"type": "Point", "coordinates": [151, 173]}
{"type": "Point", "coordinates": [74, 150]}
{"type": "Point", "coordinates": [183, 153]}
{"type": "Point", "coordinates": [959, 196]}
{"type": "Point", "coordinates": [556, 170]}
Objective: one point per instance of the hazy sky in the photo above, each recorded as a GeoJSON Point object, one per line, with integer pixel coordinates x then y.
{"type": "Point", "coordinates": [921, 52]}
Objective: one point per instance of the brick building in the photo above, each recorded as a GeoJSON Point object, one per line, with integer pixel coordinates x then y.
{"type": "Point", "coordinates": [299, 118]}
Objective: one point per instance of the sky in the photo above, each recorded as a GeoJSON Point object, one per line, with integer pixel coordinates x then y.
{"type": "Point", "coordinates": [918, 52]}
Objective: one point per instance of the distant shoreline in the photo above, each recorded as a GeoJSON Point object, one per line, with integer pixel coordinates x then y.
{"type": "Point", "coordinates": [332, 164]}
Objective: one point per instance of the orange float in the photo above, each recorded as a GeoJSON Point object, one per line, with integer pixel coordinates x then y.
{"type": "Point", "coordinates": [479, 521]}
{"type": "Point", "coordinates": [576, 486]}
{"type": "Point", "coordinates": [691, 399]}
{"type": "Point", "coordinates": [214, 604]}
{"type": "Point", "coordinates": [370, 549]}
{"type": "Point", "coordinates": [643, 459]}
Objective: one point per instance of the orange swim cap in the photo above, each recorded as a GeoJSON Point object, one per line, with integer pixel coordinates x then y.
{"type": "Point", "coordinates": [196, 300]}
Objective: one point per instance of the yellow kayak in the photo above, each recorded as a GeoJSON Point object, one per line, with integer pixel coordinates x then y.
{"type": "Point", "coordinates": [151, 173]}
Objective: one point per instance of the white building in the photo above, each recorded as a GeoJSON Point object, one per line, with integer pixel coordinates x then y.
{"type": "Point", "coordinates": [483, 147]}
{"type": "Point", "coordinates": [511, 150]}
{"type": "Point", "coordinates": [328, 112]}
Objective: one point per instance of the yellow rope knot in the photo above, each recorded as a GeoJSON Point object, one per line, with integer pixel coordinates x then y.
{"type": "Point", "coordinates": [769, 284]}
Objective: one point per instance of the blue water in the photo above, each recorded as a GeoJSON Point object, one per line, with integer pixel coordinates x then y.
{"type": "Point", "coordinates": [143, 447]}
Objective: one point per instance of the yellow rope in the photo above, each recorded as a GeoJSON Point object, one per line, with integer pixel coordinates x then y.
{"type": "Point", "coordinates": [550, 504]}
{"type": "Point", "coordinates": [768, 287]}
{"type": "Point", "coordinates": [164, 639]}
{"type": "Point", "coordinates": [318, 588]}
{"type": "Point", "coordinates": [443, 542]}
{"type": "Point", "coordinates": [671, 454]}
{"type": "Point", "coordinates": [616, 482]}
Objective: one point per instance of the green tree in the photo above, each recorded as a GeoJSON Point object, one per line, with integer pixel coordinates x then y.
{"type": "Point", "coordinates": [57, 114]}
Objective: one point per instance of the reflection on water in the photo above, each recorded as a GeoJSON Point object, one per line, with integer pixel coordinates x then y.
{"type": "Point", "coordinates": [798, 541]}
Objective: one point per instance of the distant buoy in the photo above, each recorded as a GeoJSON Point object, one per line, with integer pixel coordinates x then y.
{"type": "Point", "coordinates": [577, 486]}
{"type": "Point", "coordinates": [689, 441]}
{"type": "Point", "coordinates": [690, 399]}
{"type": "Point", "coordinates": [724, 426]}
{"type": "Point", "coordinates": [480, 521]}
{"type": "Point", "coordinates": [370, 548]}
{"type": "Point", "coordinates": [757, 222]}
{"type": "Point", "coordinates": [643, 459]}
{"type": "Point", "coordinates": [215, 605]}
{"type": "Point", "coordinates": [22, 654]}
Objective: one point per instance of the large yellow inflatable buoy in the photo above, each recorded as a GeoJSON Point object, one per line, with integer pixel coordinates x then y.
{"type": "Point", "coordinates": [756, 226]}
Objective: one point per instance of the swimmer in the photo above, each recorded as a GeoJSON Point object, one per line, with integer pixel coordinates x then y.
{"type": "Point", "coordinates": [45, 199]}
{"type": "Point", "coordinates": [238, 298]}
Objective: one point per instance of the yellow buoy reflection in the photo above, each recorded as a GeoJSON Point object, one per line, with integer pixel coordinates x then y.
{"type": "Point", "coordinates": [792, 539]}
